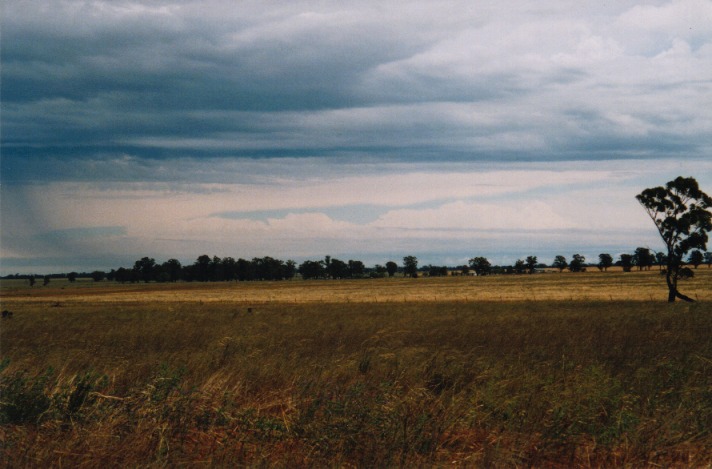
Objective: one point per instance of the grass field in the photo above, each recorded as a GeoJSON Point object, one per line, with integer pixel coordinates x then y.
{"type": "Point", "coordinates": [553, 370]}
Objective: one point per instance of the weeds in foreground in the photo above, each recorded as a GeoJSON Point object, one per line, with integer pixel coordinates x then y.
{"type": "Point", "coordinates": [489, 384]}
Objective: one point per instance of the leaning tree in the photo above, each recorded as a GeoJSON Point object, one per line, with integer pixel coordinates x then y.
{"type": "Point", "coordinates": [680, 211]}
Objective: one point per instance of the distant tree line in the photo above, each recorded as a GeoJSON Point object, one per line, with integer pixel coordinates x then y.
{"type": "Point", "coordinates": [216, 269]}
{"type": "Point", "coordinates": [205, 269]}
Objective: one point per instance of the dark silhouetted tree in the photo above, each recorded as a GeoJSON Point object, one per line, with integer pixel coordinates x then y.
{"type": "Point", "coordinates": [172, 269]}
{"type": "Point", "coordinates": [480, 265]}
{"type": "Point", "coordinates": [356, 269]}
{"type": "Point", "coordinates": [577, 263]}
{"type": "Point", "coordinates": [200, 271]}
{"type": "Point", "coordinates": [680, 211]}
{"type": "Point", "coordinates": [124, 275]}
{"type": "Point", "coordinates": [643, 258]}
{"type": "Point", "coordinates": [560, 263]}
{"type": "Point", "coordinates": [312, 269]}
{"type": "Point", "coordinates": [379, 271]}
{"type": "Point", "coordinates": [660, 259]}
{"type": "Point", "coordinates": [520, 266]}
{"type": "Point", "coordinates": [392, 268]}
{"type": "Point", "coordinates": [336, 268]}
{"type": "Point", "coordinates": [604, 261]}
{"type": "Point", "coordinates": [531, 264]}
{"type": "Point", "coordinates": [72, 277]}
{"type": "Point", "coordinates": [145, 269]}
{"type": "Point", "coordinates": [410, 266]}
{"type": "Point", "coordinates": [626, 262]}
{"type": "Point", "coordinates": [98, 275]}
{"type": "Point", "coordinates": [437, 271]}
{"type": "Point", "coordinates": [290, 269]}
{"type": "Point", "coordinates": [229, 269]}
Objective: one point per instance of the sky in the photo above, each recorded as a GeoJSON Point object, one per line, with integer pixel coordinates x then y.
{"type": "Point", "coordinates": [364, 130]}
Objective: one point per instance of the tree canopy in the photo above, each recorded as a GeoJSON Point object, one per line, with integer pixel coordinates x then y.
{"type": "Point", "coordinates": [680, 211]}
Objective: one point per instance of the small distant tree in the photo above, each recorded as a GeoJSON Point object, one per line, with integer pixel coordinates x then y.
{"type": "Point", "coordinates": [72, 277]}
{"type": "Point", "coordinates": [336, 268]}
{"type": "Point", "coordinates": [31, 280]}
{"type": "Point", "coordinates": [577, 263]}
{"type": "Point", "coordinates": [98, 275]}
{"type": "Point", "coordinates": [410, 266]}
{"type": "Point", "coordinates": [312, 269]}
{"type": "Point", "coordinates": [660, 259]}
{"type": "Point", "coordinates": [356, 269]}
{"type": "Point", "coordinates": [391, 268]}
{"type": "Point", "coordinates": [680, 211]}
{"type": "Point", "coordinates": [643, 258]}
{"type": "Point", "coordinates": [696, 258]}
{"type": "Point", "coordinates": [244, 270]}
{"type": "Point", "coordinates": [290, 269]}
{"type": "Point", "coordinates": [123, 275]}
{"type": "Point", "coordinates": [626, 262]}
{"type": "Point", "coordinates": [200, 270]}
{"type": "Point", "coordinates": [520, 267]}
{"type": "Point", "coordinates": [45, 280]}
{"type": "Point", "coordinates": [145, 268]}
{"type": "Point", "coordinates": [438, 271]}
{"type": "Point", "coordinates": [481, 266]}
{"type": "Point", "coordinates": [172, 268]}
{"type": "Point", "coordinates": [531, 264]}
{"type": "Point", "coordinates": [604, 261]}
{"type": "Point", "coordinates": [560, 263]}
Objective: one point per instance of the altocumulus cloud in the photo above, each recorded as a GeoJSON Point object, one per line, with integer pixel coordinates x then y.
{"type": "Point", "coordinates": [363, 129]}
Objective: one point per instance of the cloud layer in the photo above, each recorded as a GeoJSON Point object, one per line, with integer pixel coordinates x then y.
{"type": "Point", "coordinates": [295, 128]}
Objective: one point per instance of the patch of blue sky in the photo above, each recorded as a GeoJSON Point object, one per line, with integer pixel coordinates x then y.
{"type": "Point", "coordinates": [359, 213]}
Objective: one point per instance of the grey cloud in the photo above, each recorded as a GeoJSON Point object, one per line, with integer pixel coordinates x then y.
{"type": "Point", "coordinates": [164, 80]}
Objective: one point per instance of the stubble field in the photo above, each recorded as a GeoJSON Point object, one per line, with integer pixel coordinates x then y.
{"type": "Point", "coordinates": [553, 370]}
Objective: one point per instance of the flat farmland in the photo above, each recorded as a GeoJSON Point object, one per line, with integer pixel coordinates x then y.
{"type": "Point", "coordinates": [546, 370]}
{"type": "Point", "coordinates": [594, 286]}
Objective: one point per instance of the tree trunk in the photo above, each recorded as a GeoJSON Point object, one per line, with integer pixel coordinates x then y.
{"type": "Point", "coordinates": [673, 293]}
{"type": "Point", "coordinates": [684, 297]}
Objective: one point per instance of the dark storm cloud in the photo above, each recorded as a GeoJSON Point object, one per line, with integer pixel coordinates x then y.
{"type": "Point", "coordinates": [447, 81]}
{"type": "Point", "coordinates": [89, 81]}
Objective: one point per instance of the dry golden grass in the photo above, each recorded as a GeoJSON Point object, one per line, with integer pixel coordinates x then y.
{"type": "Point", "coordinates": [551, 370]}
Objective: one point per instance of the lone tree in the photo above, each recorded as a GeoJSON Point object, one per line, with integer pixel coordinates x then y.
{"type": "Point", "coordinates": [392, 268]}
{"type": "Point", "coordinates": [560, 263]}
{"type": "Point", "coordinates": [626, 262]}
{"type": "Point", "coordinates": [605, 260]}
{"type": "Point", "coordinates": [531, 263]}
{"type": "Point", "coordinates": [410, 266]}
{"type": "Point", "coordinates": [577, 263]}
{"type": "Point", "coordinates": [680, 213]}
{"type": "Point", "coordinates": [643, 258]}
{"type": "Point", "coordinates": [480, 265]}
